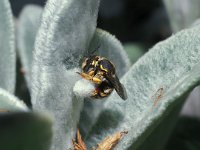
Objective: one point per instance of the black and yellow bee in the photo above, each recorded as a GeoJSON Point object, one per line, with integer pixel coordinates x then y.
{"type": "Point", "coordinates": [101, 72]}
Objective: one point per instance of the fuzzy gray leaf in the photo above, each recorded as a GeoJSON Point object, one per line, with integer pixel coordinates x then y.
{"type": "Point", "coordinates": [182, 13]}
{"type": "Point", "coordinates": [66, 29]}
{"type": "Point", "coordinates": [9, 102]}
{"type": "Point", "coordinates": [29, 22]}
{"type": "Point", "coordinates": [112, 49]}
{"type": "Point", "coordinates": [173, 66]}
{"type": "Point", "coordinates": [7, 48]}
{"type": "Point", "coordinates": [192, 104]}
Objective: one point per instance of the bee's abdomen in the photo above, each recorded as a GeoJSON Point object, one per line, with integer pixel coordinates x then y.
{"type": "Point", "coordinates": [107, 66]}
{"type": "Point", "coordinates": [105, 89]}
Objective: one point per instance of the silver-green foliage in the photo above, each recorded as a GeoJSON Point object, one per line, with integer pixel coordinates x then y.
{"type": "Point", "coordinates": [20, 128]}
{"type": "Point", "coordinates": [110, 47]}
{"type": "Point", "coordinates": [182, 13]}
{"type": "Point", "coordinates": [173, 65]}
{"type": "Point", "coordinates": [28, 25]}
{"type": "Point", "coordinates": [7, 48]}
{"type": "Point", "coordinates": [67, 31]}
{"type": "Point", "coordinates": [8, 102]}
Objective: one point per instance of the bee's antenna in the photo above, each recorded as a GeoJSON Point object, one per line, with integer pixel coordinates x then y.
{"type": "Point", "coordinates": [96, 49]}
{"type": "Point", "coordinates": [86, 54]}
{"type": "Point", "coordinates": [92, 52]}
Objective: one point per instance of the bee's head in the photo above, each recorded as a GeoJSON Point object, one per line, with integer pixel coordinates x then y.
{"type": "Point", "coordinates": [89, 62]}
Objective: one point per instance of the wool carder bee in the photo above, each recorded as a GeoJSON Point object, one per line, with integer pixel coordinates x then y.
{"type": "Point", "coordinates": [102, 73]}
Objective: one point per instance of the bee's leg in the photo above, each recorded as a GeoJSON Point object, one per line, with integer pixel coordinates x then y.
{"type": "Point", "coordinates": [96, 80]}
{"type": "Point", "coordinates": [85, 76]}
{"type": "Point", "coordinates": [91, 73]}
{"type": "Point", "coordinates": [94, 93]}
{"type": "Point", "coordinates": [88, 77]}
{"type": "Point", "coordinates": [103, 94]}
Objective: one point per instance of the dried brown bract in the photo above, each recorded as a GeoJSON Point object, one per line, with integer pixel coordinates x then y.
{"type": "Point", "coordinates": [107, 144]}
{"type": "Point", "coordinates": [80, 145]}
{"type": "Point", "coordinates": [111, 141]}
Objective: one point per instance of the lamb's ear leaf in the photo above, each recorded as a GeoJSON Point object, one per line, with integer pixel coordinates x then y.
{"type": "Point", "coordinates": [156, 85]}
{"type": "Point", "coordinates": [182, 13]}
{"type": "Point", "coordinates": [191, 106]}
{"type": "Point", "coordinates": [10, 103]}
{"type": "Point", "coordinates": [109, 47]}
{"type": "Point", "coordinates": [65, 32]}
{"type": "Point", "coordinates": [7, 48]}
{"type": "Point", "coordinates": [25, 131]}
{"type": "Point", "coordinates": [28, 24]}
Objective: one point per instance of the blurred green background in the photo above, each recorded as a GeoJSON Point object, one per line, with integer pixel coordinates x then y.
{"type": "Point", "coordinates": [143, 21]}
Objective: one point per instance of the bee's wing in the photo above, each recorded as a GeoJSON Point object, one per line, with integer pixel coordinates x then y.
{"type": "Point", "coordinates": [121, 91]}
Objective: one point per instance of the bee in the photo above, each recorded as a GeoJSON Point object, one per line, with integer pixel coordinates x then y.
{"type": "Point", "coordinates": [102, 73]}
